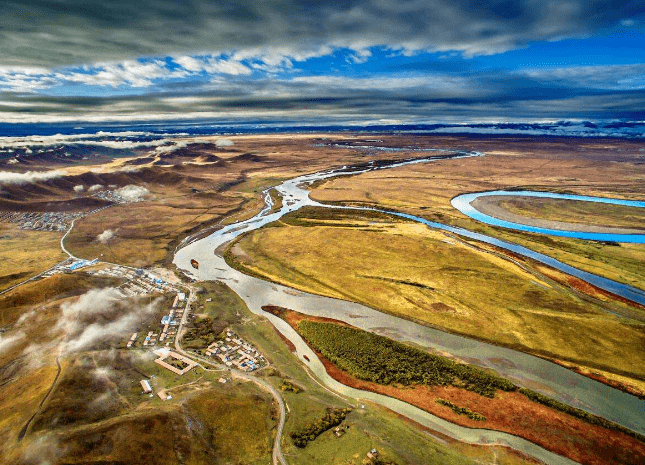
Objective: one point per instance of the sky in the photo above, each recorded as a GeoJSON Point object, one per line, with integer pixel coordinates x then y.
{"type": "Point", "coordinates": [359, 61]}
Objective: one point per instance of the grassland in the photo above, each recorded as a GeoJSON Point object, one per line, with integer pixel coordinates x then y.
{"type": "Point", "coordinates": [190, 198]}
{"type": "Point", "coordinates": [24, 253]}
{"type": "Point", "coordinates": [411, 271]}
{"type": "Point", "coordinates": [600, 168]}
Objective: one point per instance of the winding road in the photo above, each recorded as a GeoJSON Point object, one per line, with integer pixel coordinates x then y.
{"type": "Point", "coordinates": [277, 455]}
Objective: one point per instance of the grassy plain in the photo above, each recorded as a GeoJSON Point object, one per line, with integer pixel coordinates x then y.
{"type": "Point", "coordinates": [608, 168]}
{"type": "Point", "coordinates": [24, 253]}
{"type": "Point", "coordinates": [430, 277]}
{"type": "Point", "coordinates": [96, 412]}
{"type": "Point", "coordinates": [189, 196]}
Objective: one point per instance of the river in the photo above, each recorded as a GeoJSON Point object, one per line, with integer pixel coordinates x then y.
{"type": "Point", "coordinates": [523, 369]}
{"type": "Point", "coordinates": [463, 203]}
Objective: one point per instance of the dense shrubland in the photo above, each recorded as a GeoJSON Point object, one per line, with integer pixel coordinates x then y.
{"type": "Point", "coordinates": [381, 360]}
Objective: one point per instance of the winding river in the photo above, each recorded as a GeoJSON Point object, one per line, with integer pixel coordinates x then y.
{"type": "Point", "coordinates": [463, 203]}
{"type": "Point", "coordinates": [523, 369]}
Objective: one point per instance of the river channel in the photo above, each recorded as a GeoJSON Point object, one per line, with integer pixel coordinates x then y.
{"type": "Point", "coordinates": [523, 369]}
{"type": "Point", "coordinates": [463, 203]}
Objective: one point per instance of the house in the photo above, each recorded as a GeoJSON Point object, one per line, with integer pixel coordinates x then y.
{"type": "Point", "coordinates": [163, 395]}
{"type": "Point", "coordinates": [145, 384]}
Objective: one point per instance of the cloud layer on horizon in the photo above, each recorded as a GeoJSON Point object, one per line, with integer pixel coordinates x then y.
{"type": "Point", "coordinates": [79, 60]}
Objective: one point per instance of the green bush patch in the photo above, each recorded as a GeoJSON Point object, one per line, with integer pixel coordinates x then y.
{"type": "Point", "coordinates": [461, 410]}
{"type": "Point", "coordinates": [333, 417]}
{"type": "Point", "coordinates": [381, 360]}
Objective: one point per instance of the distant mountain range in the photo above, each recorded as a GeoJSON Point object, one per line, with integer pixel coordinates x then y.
{"type": "Point", "coordinates": [67, 140]}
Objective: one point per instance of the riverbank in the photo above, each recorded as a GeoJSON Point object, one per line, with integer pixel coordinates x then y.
{"type": "Point", "coordinates": [511, 412]}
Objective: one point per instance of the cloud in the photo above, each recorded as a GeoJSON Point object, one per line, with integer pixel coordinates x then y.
{"type": "Point", "coordinates": [118, 140]}
{"type": "Point", "coordinates": [72, 32]}
{"type": "Point", "coordinates": [100, 315]}
{"type": "Point", "coordinates": [79, 188]}
{"type": "Point", "coordinates": [95, 187]}
{"type": "Point", "coordinates": [9, 177]}
{"type": "Point", "coordinates": [42, 450]}
{"type": "Point", "coordinates": [132, 193]}
{"type": "Point", "coordinates": [224, 143]}
{"type": "Point", "coordinates": [105, 236]}
{"type": "Point", "coordinates": [212, 65]}
{"type": "Point", "coordinates": [447, 91]}
{"type": "Point", "coordinates": [7, 342]}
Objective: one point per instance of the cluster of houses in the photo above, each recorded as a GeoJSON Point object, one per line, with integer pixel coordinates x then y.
{"type": "Point", "coordinates": [113, 196]}
{"type": "Point", "coordinates": [147, 389]}
{"type": "Point", "coordinates": [234, 351]}
{"type": "Point", "coordinates": [68, 266]}
{"type": "Point", "coordinates": [41, 221]}
{"type": "Point", "coordinates": [139, 282]}
{"type": "Point", "coordinates": [169, 325]}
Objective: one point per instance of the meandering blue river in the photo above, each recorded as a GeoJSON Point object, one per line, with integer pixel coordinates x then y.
{"type": "Point", "coordinates": [463, 203]}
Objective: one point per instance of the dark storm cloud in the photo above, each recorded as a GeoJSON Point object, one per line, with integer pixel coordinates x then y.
{"type": "Point", "coordinates": [56, 32]}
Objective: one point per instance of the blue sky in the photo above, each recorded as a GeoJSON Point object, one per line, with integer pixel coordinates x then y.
{"type": "Point", "coordinates": [347, 60]}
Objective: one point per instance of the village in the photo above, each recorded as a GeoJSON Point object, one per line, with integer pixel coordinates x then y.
{"type": "Point", "coordinates": [139, 281]}
{"type": "Point", "coordinates": [228, 348]}
{"type": "Point", "coordinates": [41, 221]}
{"type": "Point", "coordinates": [234, 351]}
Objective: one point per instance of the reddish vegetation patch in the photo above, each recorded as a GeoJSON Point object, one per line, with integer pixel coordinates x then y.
{"type": "Point", "coordinates": [594, 291]}
{"type": "Point", "coordinates": [289, 344]}
{"type": "Point", "coordinates": [441, 307]}
{"type": "Point", "coordinates": [602, 379]}
{"type": "Point", "coordinates": [510, 412]}
{"type": "Point", "coordinates": [293, 318]}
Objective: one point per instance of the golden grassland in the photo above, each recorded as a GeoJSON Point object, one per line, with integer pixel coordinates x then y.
{"type": "Point", "coordinates": [214, 425]}
{"type": "Point", "coordinates": [408, 270]}
{"type": "Point", "coordinates": [25, 253]}
{"type": "Point", "coordinates": [188, 198]}
{"type": "Point", "coordinates": [426, 190]}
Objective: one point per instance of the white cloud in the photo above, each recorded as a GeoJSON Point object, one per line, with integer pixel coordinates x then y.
{"type": "Point", "coordinates": [95, 187]}
{"type": "Point", "coordinates": [132, 193]}
{"type": "Point", "coordinates": [7, 342]}
{"type": "Point", "coordinates": [132, 73]}
{"type": "Point", "coordinates": [99, 315]}
{"type": "Point", "coordinates": [101, 138]}
{"type": "Point", "coordinates": [79, 188]}
{"type": "Point", "coordinates": [213, 65]}
{"type": "Point", "coordinates": [105, 236]}
{"type": "Point", "coordinates": [9, 177]}
{"type": "Point", "coordinates": [224, 143]}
